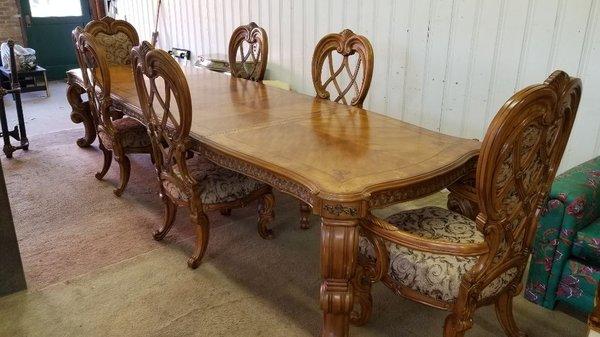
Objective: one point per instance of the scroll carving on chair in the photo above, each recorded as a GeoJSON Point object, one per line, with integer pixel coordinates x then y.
{"type": "Point", "coordinates": [195, 183]}
{"type": "Point", "coordinates": [351, 78]}
{"type": "Point", "coordinates": [117, 137]}
{"type": "Point", "coordinates": [446, 260]}
{"type": "Point", "coordinates": [248, 52]}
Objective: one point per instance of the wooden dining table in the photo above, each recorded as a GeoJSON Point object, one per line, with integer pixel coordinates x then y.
{"type": "Point", "coordinates": [341, 160]}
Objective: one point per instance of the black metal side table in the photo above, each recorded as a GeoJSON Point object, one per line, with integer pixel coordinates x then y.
{"type": "Point", "coordinates": [29, 81]}
{"type": "Point", "coordinates": [18, 133]}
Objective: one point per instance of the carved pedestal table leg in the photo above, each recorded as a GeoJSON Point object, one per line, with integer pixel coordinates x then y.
{"type": "Point", "coordinates": [463, 195]}
{"type": "Point", "coordinates": [462, 204]}
{"type": "Point", "coordinates": [305, 211]}
{"type": "Point", "coordinates": [81, 114]}
{"type": "Point", "coordinates": [339, 249]}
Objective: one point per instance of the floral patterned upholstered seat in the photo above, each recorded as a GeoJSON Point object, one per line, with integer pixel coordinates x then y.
{"type": "Point", "coordinates": [435, 275]}
{"type": "Point", "coordinates": [217, 184]}
{"type": "Point", "coordinates": [133, 134]}
{"type": "Point", "coordinates": [565, 263]}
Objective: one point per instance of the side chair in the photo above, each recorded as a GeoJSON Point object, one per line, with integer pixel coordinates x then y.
{"type": "Point", "coordinates": [351, 78]}
{"type": "Point", "coordinates": [446, 260]}
{"type": "Point", "coordinates": [196, 182]}
{"type": "Point", "coordinates": [116, 134]}
{"type": "Point", "coordinates": [247, 55]}
{"type": "Point", "coordinates": [248, 52]}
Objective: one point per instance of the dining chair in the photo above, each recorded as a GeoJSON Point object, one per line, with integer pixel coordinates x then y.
{"type": "Point", "coordinates": [445, 260]}
{"type": "Point", "coordinates": [188, 182]}
{"type": "Point", "coordinates": [248, 52]}
{"type": "Point", "coordinates": [352, 77]}
{"type": "Point", "coordinates": [117, 37]}
{"type": "Point", "coordinates": [117, 135]}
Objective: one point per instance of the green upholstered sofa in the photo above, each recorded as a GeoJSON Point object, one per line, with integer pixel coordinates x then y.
{"type": "Point", "coordinates": [565, 263]}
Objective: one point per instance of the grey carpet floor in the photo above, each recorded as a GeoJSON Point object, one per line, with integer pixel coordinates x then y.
{"type": "Point", "coordinates": [94, 270]}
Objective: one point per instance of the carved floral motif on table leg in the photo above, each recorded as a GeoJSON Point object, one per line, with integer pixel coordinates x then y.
{"type": "Point", "coordinates": [305, 211]}
{"type": "Point", "coordinates": [463, 205]}
{"type": "Point", "coordinates": [81, 113]}
{"type": "Point", "coordinates": [266, 215]}
{"type": "Point", "coordinates": [463, 196]}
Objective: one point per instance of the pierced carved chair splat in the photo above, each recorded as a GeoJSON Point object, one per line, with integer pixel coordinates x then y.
{"type": "Point", "coordinates": [248, 52]}
{"type": "Point", "coordinates": [116, 136]}
{"type": "Point", "coordinates": [188, 182]}
{"type": "Point", "coordinates": [358, 73]}
{"type": "Point", "coordinates": [349, 81]}
{"type": "Point", "coordinates": [480, 261]}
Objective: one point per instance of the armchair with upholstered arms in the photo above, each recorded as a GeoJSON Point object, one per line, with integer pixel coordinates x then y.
{"type": "Point", "coordinates": [565, 266]}
{"type": "Point", "coordinates": [445, 259]}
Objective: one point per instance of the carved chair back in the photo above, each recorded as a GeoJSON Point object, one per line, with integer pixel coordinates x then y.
{"type": "Point", "coordinates": [359, 73]}
{"type": "Point", "coordinates": [96, 79]}
{"type": "Point", "coordinates": [519, 159]}
{"type": "Point", "coordinates": [167, 106]}
{"type": "Point", "coordinates": [248, 52]}
{"type": "Point", "coordinates": [117, 37]}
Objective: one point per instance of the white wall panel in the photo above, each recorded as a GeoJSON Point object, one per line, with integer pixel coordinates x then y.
{"type": "Point", "coordinates": [447, 65]}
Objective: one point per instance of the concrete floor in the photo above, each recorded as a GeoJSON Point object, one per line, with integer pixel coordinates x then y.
{"type": "Point", "coordinates": [246, 286]}
{"type": "Point", "coordinates": [42, 114]}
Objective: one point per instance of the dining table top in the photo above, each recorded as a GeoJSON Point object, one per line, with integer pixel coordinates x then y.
{"type": "Point", "coordinates": [332, 149]}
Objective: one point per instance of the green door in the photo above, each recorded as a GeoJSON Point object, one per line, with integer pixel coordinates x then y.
{"type": "Point", "coordinates": [48, 25]}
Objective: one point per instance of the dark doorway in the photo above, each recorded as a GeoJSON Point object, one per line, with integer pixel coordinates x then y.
{"type": "Point", "coordinates": [48, 26]}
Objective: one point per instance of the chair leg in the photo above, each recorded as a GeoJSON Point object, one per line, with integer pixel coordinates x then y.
{"type": "Point", "coordinates": [124, 169]}
{"type": "Point", "coordinates": [363, 305]}
{"type": "Point", "coordinates": [152, 159]}
{"type": "Point", "coordinates": [170, 212]}
{"type": "Point", "coordinates": [225, 211]}
{"type": "Point", "coordinates": [107, 161]}
{"type": "Point", "coordinates": [457, 324]}
{"type": "Point", "coordinates": [265, 215]}
{"type": "Point", "coordinates": [304, 215]}
{"type": "Point", "coordinates": [504, 311]}
{"type": "Point", "coordinates": [200, 220]}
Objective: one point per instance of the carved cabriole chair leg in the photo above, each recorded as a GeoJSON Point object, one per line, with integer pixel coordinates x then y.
{"type": "Point", "coordinates": [266, 215]}
{"type": "Point", "coordinates": [200, 220]}
{"type": "Point", "coordinates": [363, 300]}
{"type": "Point", "coordinates": [124, 170]}
{"type": "Point", "coordinates": [152, 159]}
{"type": "Point", "coordinates": [504, 311]}
{"type": "Point", "coordinates": [456, 327]}
{"type": "Point", "coordinates": [107, 161]}
{"type": "Point", "coordinates": [305, 211]}
{"type": "Point", "coordinates": [170, 213]}
{"type": "Point", "coordinates": [225, 211]}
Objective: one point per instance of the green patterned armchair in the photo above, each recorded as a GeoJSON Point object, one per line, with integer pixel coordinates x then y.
{"type": "Point", "coordinates": [565, 265]}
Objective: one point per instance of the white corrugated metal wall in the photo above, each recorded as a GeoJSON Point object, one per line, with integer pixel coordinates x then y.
{"type": "Point", "coordinates": [447, 65]}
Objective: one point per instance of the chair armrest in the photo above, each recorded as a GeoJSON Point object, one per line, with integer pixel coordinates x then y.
{"type": "Point", "coordinates": [387, 231]}
{"type": "Point", "coordinates": [579, 190]}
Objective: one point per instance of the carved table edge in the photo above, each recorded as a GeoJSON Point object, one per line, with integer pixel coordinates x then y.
{"type": "Point", "coordinates": [425, 187]}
